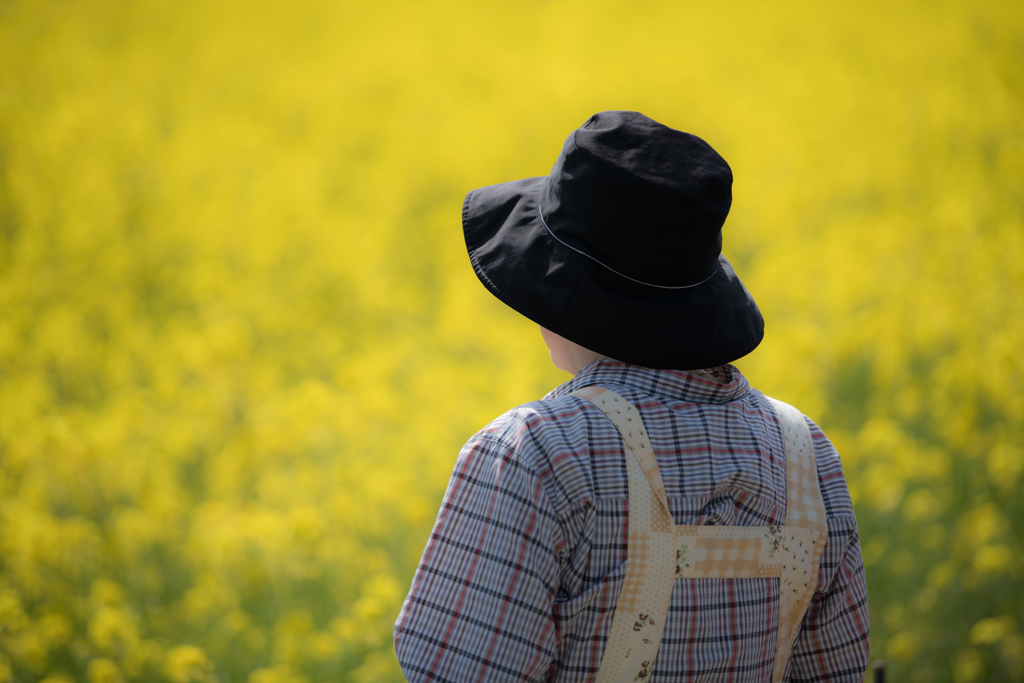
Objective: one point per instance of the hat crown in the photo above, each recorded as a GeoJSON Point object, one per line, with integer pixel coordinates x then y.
{"type": "Point", "coordinates": [664, 162]}
{"type": "Point", "coordinates": [641, 199]}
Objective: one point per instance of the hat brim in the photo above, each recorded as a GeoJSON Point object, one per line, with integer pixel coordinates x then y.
{"type": "Point", "coordinates": [524, 266]}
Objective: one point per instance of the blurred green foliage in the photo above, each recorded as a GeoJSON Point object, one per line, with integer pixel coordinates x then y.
{"type": "Point", "coordinates": [240, 342]}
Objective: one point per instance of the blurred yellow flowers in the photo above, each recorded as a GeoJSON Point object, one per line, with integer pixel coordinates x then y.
{"type": "Point", "coordinates": [240, 341]}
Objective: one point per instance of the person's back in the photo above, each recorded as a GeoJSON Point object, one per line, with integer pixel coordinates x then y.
{"type": "Point", "coordinates": [527, 562]}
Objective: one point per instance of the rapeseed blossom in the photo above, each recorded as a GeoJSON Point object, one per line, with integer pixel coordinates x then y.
{"type": "Point", "coordinates": [241, 344]}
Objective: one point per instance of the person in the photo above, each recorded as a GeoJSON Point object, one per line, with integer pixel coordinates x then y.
{"type": "Point", "coordinates": [655, 518]}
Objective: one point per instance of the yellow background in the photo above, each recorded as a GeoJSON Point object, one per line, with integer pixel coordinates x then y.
{"type": "Point", "coordinates": [241, 343]}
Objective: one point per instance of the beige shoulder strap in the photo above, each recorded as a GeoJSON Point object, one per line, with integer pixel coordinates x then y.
{"type": "Point", "coordinates": [660, 551]}
{"type": "Point", "coordinates": [805, 532]}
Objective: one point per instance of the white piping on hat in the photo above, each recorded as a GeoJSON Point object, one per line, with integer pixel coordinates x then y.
{"type": "Point", "coordinates": [605, 265]}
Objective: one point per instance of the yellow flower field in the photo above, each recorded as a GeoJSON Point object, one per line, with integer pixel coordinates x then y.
{"type": "Point", "coordinates": [241, 343]}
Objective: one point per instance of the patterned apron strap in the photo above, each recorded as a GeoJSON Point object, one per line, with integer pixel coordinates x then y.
{"type": "Point", "coordinates": [639, 618]}
{"type": "Point", "coordinates": [627, 420]}
{"type": "Point", "coordinates": [805, 533]}
{"type": "Point", "coordinates": [659, 550]}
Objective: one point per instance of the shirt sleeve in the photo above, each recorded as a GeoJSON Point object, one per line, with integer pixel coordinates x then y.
{"type": "Point", "coordinates": [833, 642]}
{"type": "Point", "coordinates": [480, 605]}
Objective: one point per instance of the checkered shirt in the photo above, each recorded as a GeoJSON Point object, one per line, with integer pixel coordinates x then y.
{"type": "Point", "coordinates": [520, 576]}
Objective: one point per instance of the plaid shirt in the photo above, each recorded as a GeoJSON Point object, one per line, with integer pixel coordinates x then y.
{"type": "Point", "coordinates": [519, 579]}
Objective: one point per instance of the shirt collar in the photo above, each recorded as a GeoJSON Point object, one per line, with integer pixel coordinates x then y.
{"type": "Point", "coordinates": [691, 386]}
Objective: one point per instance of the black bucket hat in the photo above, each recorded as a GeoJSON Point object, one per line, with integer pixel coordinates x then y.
{"type": "Point", "coordinates": [619, 248]}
